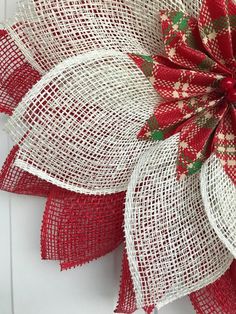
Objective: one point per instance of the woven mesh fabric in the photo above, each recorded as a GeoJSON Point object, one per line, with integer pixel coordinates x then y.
{"type": "Point", "coordinates": [16, 180]}
{"type": "Point", "coordinates": [77, 228]}
{"type": "Point", "coordinates": [16, 78]}
{"type": "Point", "coordinates": [85, 114]}
{"type": "Point", "coordinates": [127, 301]}
{"type": "Point", "coordinates": [172, 249]}
{"type": "Point", "coordinates": [16, 74]}
{"type": "Point", "coordinates": [218, 297]}
{"type": "Point", "coordinates": [50, 31]}
{"type": "Point", "coordinates": [219, 197]}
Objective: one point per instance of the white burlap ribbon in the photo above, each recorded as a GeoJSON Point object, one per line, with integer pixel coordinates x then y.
{"type": "Point", "coordinates": [172, 248]}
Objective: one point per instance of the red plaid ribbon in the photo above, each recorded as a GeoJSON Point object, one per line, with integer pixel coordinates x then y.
{"type": "Point", "coordinates": [200, 56]}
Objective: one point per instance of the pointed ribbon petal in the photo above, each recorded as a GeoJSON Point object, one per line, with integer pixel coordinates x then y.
{"type": "Point", "coordinates": [219, 197]}
{"type": "Point", "coordinates": [183, 43]}
{"type": "Point", "coordinates": [79, 228]}
{"type": "Point", "coordinates": [126, 302]}
{"type": "Point", "coordinates": [173, 83]}
{"type": "Point", "coordinates": [196, 139]}
{"type": "Point", "coordinates": [171, 246]}
{"type": "Point", "coordinates": [85, 114]}
{"type": "Point", "coordinates": [170, 116]}
{"type": "Point", "coordinates": [225, 143]}
{"type": "Point", "coordinates": [217, 24]}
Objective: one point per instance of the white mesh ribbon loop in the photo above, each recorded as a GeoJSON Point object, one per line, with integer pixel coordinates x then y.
{"type": "Point", "coordinates": [48, 32]}
{"type": "Point", "coordinates": [79, 123]}
{"type": "Point", "coordinates": [172, 248]}
{"type": "Point", "coordinates": [219, 197]}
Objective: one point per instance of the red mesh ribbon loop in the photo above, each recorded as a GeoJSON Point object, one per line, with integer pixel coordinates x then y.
{"type": "Point", "coordinates": [126, 302]}
{"type": "Point", "coordinates": [76, 228]}
{"type": "Point", "coordinates": [79, 228]}
{"type": "Point", "coordinates": [219, 297]}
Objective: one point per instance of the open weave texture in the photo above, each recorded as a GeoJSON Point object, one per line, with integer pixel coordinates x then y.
{"type": "Point", "coordinates": [171, 246]}
{"type": "Point", "coordinates": [50, 31]}
{"type": "Point", "coordinates": [219, 197]}
{"type": "Point", "coordinates": [218, 297]}
{"type": "Point", "coordinates": [84, 114]}
{"type": "Point", "coordinates": [126, 301]}
{"type": "Point", "coordinates": [16, 180]}
{"type": "Point", "coordinates": [16, 79]}
{"type": "Point", "coordinates": [16, 74]}
{"type": "Point", "coordinates": [77, 228]}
